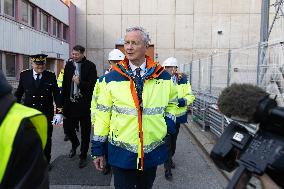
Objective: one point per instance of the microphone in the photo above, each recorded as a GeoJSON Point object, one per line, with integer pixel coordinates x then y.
{"type": "Point", "coordinates": [251, 104]}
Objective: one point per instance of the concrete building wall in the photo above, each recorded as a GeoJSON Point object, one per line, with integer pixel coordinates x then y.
{"type": "Point", "coordinates": [187, 29]}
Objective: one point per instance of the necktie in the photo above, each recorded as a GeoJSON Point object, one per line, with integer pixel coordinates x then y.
{"type": "Point", "coordinates": [37, 81]}
{"type": "Point", "coordinates": [138, 84]}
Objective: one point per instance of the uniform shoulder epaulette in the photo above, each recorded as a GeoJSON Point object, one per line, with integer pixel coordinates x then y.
{"type": "Point", "coordinates": [25, 70]}
{"type": "Point", "coordinates": [50, 71]}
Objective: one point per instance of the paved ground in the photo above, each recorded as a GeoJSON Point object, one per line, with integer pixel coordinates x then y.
{"type": "Point", "coordinates": [193, 168]}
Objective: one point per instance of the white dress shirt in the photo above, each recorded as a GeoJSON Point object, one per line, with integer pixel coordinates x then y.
{"type": "Point", "coordinates": [35, 75]}
{"type": "Point", "coordinates": [142, 67]}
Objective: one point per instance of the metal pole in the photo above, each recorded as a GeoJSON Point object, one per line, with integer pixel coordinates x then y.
{"type": "Point", "coordinates": [229, 71]}
{"type": "Point", "coordinates": [199, 75]}
{"type": "Point", "coordinates": [264, 33]}
{"type": "Point", "coordinates": [190, 72]}
{"type": "Point", "coordinates": [210, 73]}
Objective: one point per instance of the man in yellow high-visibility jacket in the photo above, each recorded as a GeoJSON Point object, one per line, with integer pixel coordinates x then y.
{"type": "Point", "coordinates": [135, 110]}
{"type": "Point", "coordinates": [185, 98]}
{"type": "Point", "coordinates": [23, 134]}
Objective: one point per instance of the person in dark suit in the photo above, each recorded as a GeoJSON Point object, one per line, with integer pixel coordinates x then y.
{"type": "Point", "coordinates": [79, 79]}
{"type": "Point", "coordinates": [40, 90]}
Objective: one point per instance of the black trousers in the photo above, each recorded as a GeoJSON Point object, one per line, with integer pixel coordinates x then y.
{"type": "Point", "coordinates": [134, 179]}
{"type": "Point", "coordinates": [47, 149]}
{"type": "Point", "coordinates": [85, 124]}
{"type": "Point", "coordinates": [174, 140]}
{"type": "Point", "coordinates": [171, 141]}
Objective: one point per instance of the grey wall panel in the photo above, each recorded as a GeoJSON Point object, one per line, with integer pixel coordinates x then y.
{"type": "Point", "coordinates": [24, 40]}
{"type": "Point", "coordinates": [54, 7]}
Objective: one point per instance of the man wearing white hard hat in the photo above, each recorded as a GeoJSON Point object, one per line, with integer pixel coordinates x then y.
{"type": "Point", "coordinates": [185, 98]}
{"type": "Point", "coordinates": [114, 57]}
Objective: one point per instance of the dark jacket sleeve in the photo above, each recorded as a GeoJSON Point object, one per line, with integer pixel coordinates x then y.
{"type": "Point", "coordinates": [20, 90]}
{"type": "Point", "coordinates": [27, 167]}
{"type": "Point", "coordinates": [56, 92]}
{"type": "Point", "coordinates": [92, 77]}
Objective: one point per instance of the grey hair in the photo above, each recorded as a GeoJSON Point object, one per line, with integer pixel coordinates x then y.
{"type": "Point", "coordinates": [145, 34]}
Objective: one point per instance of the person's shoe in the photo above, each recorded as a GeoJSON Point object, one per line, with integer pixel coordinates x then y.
{"type": "Point", "coordinates": [82, 163]}
{"type": "Point", "coordinates": [173, 166]}
{"type": "Point", "coordinates": [168, 175]}
{"type": "Point", "coordinates": [49, 167]}
{"type": "Point", "coordinates": [106, 170]}
{"type": "Point", "coordinates": [66, 138]}
{"type": "Point", "coordinates": [72, 153]}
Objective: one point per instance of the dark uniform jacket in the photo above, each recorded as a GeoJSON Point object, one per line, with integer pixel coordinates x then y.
{"type": "Point", "coordinates": [88, 79]}
{"type": "Point", "coordinates": [27, 167]}
{"type": "Point", "coordinates": [40, 98]}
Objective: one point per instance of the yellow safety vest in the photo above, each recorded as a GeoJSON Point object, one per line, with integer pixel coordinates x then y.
{"type": "Point", "coordinates": [60, 79]}
{"type": "Point", "coordinates": [9, 128]}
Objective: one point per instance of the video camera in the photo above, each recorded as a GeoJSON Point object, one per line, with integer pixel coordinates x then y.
{"type": "Point", "coordinates": [259, 153]}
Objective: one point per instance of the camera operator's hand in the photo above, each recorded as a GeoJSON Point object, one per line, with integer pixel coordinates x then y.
{"type": "Point", "coordinates": [267, 182]}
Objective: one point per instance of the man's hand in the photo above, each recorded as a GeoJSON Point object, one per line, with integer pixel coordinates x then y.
{"type": "Point", "coordinates": [99, 163]}
{"type": "Point", "coordinates": [57, 119]}
{"type": "Point", "coordinates": [76, 79]}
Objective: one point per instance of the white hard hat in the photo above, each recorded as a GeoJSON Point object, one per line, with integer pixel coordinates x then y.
{"type": "Point", "coordinates": [172, 61]}
{"type": "Point", "coordinates": [115, 54]}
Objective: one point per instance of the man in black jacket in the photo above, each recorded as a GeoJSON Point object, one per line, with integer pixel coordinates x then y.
{"type": "Point", "coordinates": [40, 89]}
{"type": "Point", "coordinates": [22, 160]}
{"type": "Point", "coordinates": [79, 79]}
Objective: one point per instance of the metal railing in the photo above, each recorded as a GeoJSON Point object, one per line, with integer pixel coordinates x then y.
{"type": "Point", "coordinates": [209, 76]}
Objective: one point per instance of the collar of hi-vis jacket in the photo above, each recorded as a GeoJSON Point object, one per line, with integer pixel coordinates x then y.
{"type": "Point", "coordinates": [153, 70]}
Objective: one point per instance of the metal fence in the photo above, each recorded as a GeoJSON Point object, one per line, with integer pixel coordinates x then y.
{"type": "Point", "coordinates": [210, 75]}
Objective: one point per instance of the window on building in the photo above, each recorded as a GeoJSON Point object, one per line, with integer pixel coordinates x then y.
{"type": "Point", "coordinates": [26, 62]}
{"type": "Point", "coordinates": [44, 22]}
{"type": "Point", "coordinates": [58, 29]}
{"type": "Point", "coordinates": [55, 27]}
{"type": "Point", "coordinates": [10, 60]}
{"type": "Point", "coordinates": [31, 16]}
{"type": "Point", "coordinates": [27, 13]}
{"type": "Point", "coordinates": [65, 32]}
{"type": "Point", "coordinates": [9, 7]}
{"type": "Point", "coordinates": [25, 10]}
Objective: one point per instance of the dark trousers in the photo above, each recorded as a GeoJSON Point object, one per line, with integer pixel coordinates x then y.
{"type": "Point", "coordinates": [134, 179]}
{"type": "Point", "coordinates": [85, 124]}
{"type": "Point", "coordinates": [47, 149]}
{"type": "Point", "coordinates": [171, 141]}
{"type": "Point", "coordinates": [174, 140]}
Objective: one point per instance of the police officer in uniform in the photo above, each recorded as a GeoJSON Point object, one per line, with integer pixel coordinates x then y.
{"type": "Point", "coordinates": [40, 89]}
{"type": "Point", "coordinates": [23, 133]}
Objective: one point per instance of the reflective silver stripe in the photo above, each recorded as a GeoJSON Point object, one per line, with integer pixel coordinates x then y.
{"type": "Point", "coordinates": [154, 111]}
{"type": "Point", "coordinates": [103, 108]}
{"type": "Point", "coordinates": [152, 146]}
{"type": "Point", "coordinates": [181, 114]}
{"type": "Point", "coordinates": [127, 111]}
{"type": "Point", "coordinates": [133, 111]}
{"type": "Point", "coordinates": [130, 147]}
{"type": "Point", "coordinates": [100, 138]}
{"type": "Point", "coordinates": [134, 148]}
{"type": "Point", "coordinates": [174, 100]}
{"type": "Point", "coordinates": [171, 116]}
